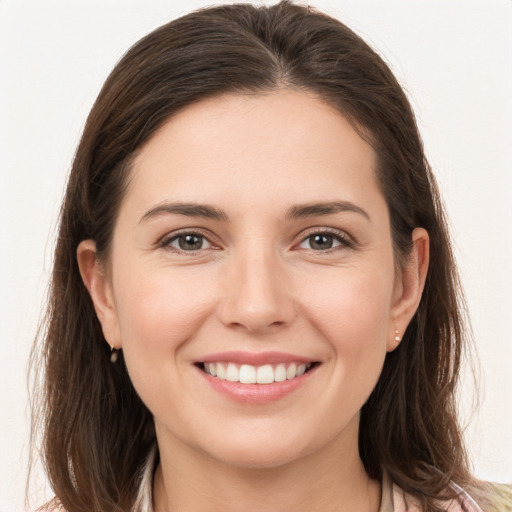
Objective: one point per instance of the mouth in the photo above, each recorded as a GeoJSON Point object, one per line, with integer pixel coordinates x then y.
{"type": "Point", "coordinates": [251, 374]}
{"type": "Point", "coordinates": [256, 378]}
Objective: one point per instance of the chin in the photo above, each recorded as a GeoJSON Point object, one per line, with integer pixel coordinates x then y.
{"type": "Point", "coordinates": [260, 458]}
{"type": "Point", "coordinates": [261, 451]}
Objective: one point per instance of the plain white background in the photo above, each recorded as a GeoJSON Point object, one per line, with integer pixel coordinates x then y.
{"type": "Point", "coordinates": [454, 58]}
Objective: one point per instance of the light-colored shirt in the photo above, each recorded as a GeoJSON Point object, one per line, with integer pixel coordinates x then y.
{"type": "Point", "coordinates": [394, 499]}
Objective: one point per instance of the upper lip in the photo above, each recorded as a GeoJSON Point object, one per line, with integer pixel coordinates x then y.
{"type": "Point", "coordinates": [255, 359]}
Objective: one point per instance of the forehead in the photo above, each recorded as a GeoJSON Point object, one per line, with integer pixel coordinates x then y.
{"type": "Point", "coordinates": [257, 148]}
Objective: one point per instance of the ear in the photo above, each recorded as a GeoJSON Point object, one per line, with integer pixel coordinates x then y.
{"type": "Point", "coordinates": [100, 289]}
{"type": "Point", "coordinates": [410, 281]}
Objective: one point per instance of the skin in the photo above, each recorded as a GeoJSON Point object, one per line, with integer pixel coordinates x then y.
{"type": "Point", "coordinates": [257, 283]}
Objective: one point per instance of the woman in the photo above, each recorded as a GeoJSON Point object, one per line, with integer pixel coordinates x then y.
{"type": "Point", "coordinates": [254, 302]}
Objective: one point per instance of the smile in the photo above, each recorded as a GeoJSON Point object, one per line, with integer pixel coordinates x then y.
{"type": "Point", "coordinates": [249, 374]}
{"type": "Point", "coordinates": [256, 378]}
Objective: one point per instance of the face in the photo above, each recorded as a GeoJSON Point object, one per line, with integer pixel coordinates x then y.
{"type": "Point", "coordinates": [251, 282]}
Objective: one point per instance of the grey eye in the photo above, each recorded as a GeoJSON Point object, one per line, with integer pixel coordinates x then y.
{"type": "Point", "coordinates": [320, 242]}
{"type": "Point", "coordinates": [189, 242]}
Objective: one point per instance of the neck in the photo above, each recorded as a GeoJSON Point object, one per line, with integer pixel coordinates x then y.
{"type": "Point", "coordinates": [330, 480]}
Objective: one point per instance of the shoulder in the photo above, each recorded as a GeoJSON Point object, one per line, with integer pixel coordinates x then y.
{"type": "Point", "coordinates": [492, 496]}
{"type": "Point", "coordinates": [464, 502]}
{"type": "Point", "coordinates": [500, 497]}
{"type": "Point", "coordinates": [487, 497]}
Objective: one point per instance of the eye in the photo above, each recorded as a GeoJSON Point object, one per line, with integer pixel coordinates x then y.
{"type": "Point", "coordinates": [187, 242]}
{"type": "Point", "coordinates": [323, 241]}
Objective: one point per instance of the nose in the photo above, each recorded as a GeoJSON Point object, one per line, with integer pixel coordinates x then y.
{"type": "Point", "coordinates": [257, 294]}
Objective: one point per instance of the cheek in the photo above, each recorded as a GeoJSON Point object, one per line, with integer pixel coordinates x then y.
{"type": "Point", "coordinates": [350, 300]}
{"type": "Point", "coordinates": [161, 310]}
{"type": "Point", "coordinates": [351, 311]}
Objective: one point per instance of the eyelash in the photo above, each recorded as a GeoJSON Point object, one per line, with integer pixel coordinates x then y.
{"type": "Point", "coordinates": [345, 241]}
{"type": "Point", "coordinates": [166, 241]}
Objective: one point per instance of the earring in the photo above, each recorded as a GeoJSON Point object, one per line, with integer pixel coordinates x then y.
{"type": "Point", "coordinates": [113, 354]}
{"type": "Point", "coordinates": [398, 339]}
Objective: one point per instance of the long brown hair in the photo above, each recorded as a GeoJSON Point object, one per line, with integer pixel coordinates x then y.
{"type": "Point", "coordinates": [96, 431]}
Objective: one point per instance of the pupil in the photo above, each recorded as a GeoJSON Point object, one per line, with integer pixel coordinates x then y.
{"type": "Point", "coordinates": [321, 242]}
{"type": "Point", "coordinates": [190, 242]}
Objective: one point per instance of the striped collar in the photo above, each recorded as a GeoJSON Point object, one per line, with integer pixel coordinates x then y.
{"type": "Point", "coordinates": [395, 499]}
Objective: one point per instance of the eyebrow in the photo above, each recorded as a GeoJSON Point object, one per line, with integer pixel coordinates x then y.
{"type": "Point", "coordinates": [316, 209]}
{"type": "Point", "coordinates": [206, 211]}
{"type": "Point", "coordinates": [188, 209]}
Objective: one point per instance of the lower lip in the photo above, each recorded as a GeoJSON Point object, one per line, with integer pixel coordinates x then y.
{"type": "Point", "coordinates": [256, 393]}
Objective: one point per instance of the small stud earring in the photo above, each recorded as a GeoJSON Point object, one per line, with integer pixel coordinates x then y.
{"type": "Point", "coordinates": [113, 354]}
{"type": "Point", "coordinates": [397, 336]}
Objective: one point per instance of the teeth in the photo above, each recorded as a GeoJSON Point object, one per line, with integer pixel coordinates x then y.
{"type": "Point", "coordinates": [219, 370]}
{"type": "Point", "coordinates": [265, 374]}
{"type": "Point", "coordinates": [232, 373]}
{"type": "Point", "coordinates": [291, 371]}
{"type": "Point", "coordinates": [280, 373]}
{"type": "Point", "coordinates": [301, 369]}
{"type": "Point", "coordinates": [248, 374]}
{"type": "Point", "coordinates": [212, 369]}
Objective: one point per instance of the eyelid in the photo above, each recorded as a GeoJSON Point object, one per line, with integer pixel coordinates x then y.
{"type": "Point", "coordinates": [343, 237]}
{"type": "Point", "coordinates": [165, 240]}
